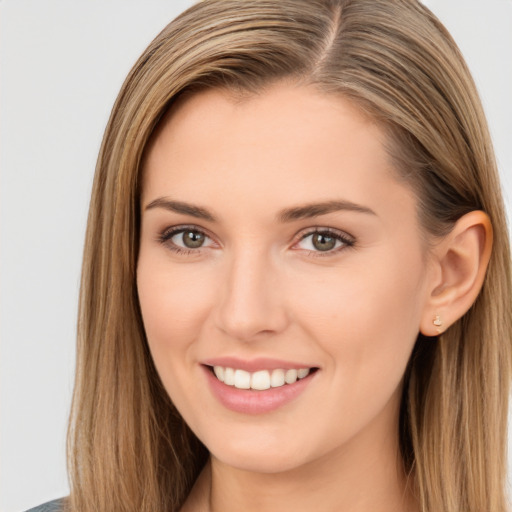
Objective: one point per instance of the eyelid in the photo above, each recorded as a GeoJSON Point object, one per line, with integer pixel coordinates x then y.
{"type": "Point", "coordinates": [345, 238]}
{"type": "Point", "coordinates": [164, 237]}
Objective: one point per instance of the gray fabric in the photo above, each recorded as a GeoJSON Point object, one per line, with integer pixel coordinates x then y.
{"type": "Point", "coordinates": [51, 506]}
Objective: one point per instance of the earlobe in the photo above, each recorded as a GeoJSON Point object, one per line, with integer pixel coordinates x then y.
{"type": "Point", "coordinates": [461, 260]}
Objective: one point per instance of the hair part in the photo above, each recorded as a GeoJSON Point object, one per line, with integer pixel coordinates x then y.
{"type": "Point", "coordinates": [129, 449]}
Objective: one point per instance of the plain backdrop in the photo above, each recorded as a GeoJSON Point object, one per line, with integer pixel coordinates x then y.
{"type": "Point", "coordinates": [62, 63]}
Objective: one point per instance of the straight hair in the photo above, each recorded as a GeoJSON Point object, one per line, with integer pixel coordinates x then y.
{"type": "Point", "coordinates": [128, 447]}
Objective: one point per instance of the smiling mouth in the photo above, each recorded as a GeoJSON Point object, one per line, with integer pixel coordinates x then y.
{"type": "Point", "coordinates": [261, 379]}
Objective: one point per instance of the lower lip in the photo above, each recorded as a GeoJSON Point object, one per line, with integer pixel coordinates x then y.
{"type": "Point", "coordinates": [249, 401]}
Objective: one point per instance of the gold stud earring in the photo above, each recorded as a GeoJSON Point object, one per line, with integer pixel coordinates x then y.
{"type": "Point", "coordinates": [438, 323]}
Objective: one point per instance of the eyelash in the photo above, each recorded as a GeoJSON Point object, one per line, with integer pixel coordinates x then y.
{"type": "Point", "coordinates": [346, 240]}
{"type": "Point", "coordinates": [166, 236]}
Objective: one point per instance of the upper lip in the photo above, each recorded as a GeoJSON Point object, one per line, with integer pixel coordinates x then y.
{"type": "Point", "coordinates": [253, 365]}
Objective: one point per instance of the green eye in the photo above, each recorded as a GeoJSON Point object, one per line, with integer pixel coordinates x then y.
{"type": "Point", "coordinates": [185, 239]}
{"type": "Point", "coordinates": [190, 239]}
{"type": "Point", "coordinates": [323, 242]}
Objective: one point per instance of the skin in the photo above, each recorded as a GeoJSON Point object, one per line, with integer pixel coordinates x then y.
{"type": "Point", "coordinates": [257, 288]}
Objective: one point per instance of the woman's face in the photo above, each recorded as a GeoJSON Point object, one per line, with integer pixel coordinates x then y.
{"type": "Point", "coordinates": [276, 238]}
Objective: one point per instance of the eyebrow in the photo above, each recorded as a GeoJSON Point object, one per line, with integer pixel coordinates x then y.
{"type": "Point", "coordinates": [181, 207]}
{"type": "Point", "coordinates": [316, 209]}
{"type": "Point", "coordinates": [287, 215]}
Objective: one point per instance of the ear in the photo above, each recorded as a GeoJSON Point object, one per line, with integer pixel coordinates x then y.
{"type": "Point", "coordinates": [459, 264]}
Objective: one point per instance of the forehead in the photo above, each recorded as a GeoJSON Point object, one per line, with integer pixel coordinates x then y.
{"type": "Point", "coordinates": [286, 144]}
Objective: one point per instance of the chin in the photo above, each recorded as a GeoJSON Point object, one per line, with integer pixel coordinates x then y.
{"type": "Point", "coordinates": [260, 455]}
{"type": "Point", "coordinates": [261, 463]}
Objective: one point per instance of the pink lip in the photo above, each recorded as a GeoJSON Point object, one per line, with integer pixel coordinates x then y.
{"type": "Point", "coordinates": [260, 363]}
{"type": "Point", "coordinates": [249, 401]}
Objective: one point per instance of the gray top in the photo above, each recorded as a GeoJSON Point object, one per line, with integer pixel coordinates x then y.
{"type": "Point", "coordinates": [51, 506]}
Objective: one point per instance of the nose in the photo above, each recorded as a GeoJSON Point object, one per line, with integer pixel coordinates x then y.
{"type": "Point", "coordinates": [251, 303]}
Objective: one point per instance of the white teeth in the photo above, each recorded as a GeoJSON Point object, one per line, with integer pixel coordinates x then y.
{"type": "Point", "coordinates": [219, 372]}
{"type": "Point", "coordinates": [229, 376]}
{"type": "Point", "coordinates": [242, 379]}
{"type": "Point", "coordinates": [290, 376]}
{"type": "Point", "coordinates": [303, 372]}
{"type": "Point", "coordinates": [260, 380]}
{"type": "Point", "coordinates": [277, 379]}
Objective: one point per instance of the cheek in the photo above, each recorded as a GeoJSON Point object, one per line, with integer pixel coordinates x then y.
{"type": "Point", "coordinates": [174, 303]}
{"type": "Point", "coordinates": [366, 316]}
{"type": "Point", "coordinates": [379, 293]}
{"type": "Point", "coordinates": [366, 321]}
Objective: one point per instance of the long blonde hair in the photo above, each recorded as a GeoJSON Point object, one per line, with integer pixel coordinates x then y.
{"type": "Point", "coordinates": [129, 449]}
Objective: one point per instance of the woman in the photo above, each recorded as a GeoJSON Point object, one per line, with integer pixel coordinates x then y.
{"type": "Point", "coordinates": [296, 284]}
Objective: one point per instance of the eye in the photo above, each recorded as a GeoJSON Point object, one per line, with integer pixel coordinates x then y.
{"type": "Point", "coordinates": [189, 239]}
{"type": "Point", "coordinates": [185, 239]}
{"type": "Point", "coordinates": [325, 240]}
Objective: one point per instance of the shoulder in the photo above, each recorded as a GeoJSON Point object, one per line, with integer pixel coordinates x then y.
{"type": "Point", "coordinates": [50, 506]}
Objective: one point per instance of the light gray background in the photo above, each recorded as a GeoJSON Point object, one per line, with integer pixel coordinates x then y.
{"type": "Point", "coordinates": [62, 63]}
